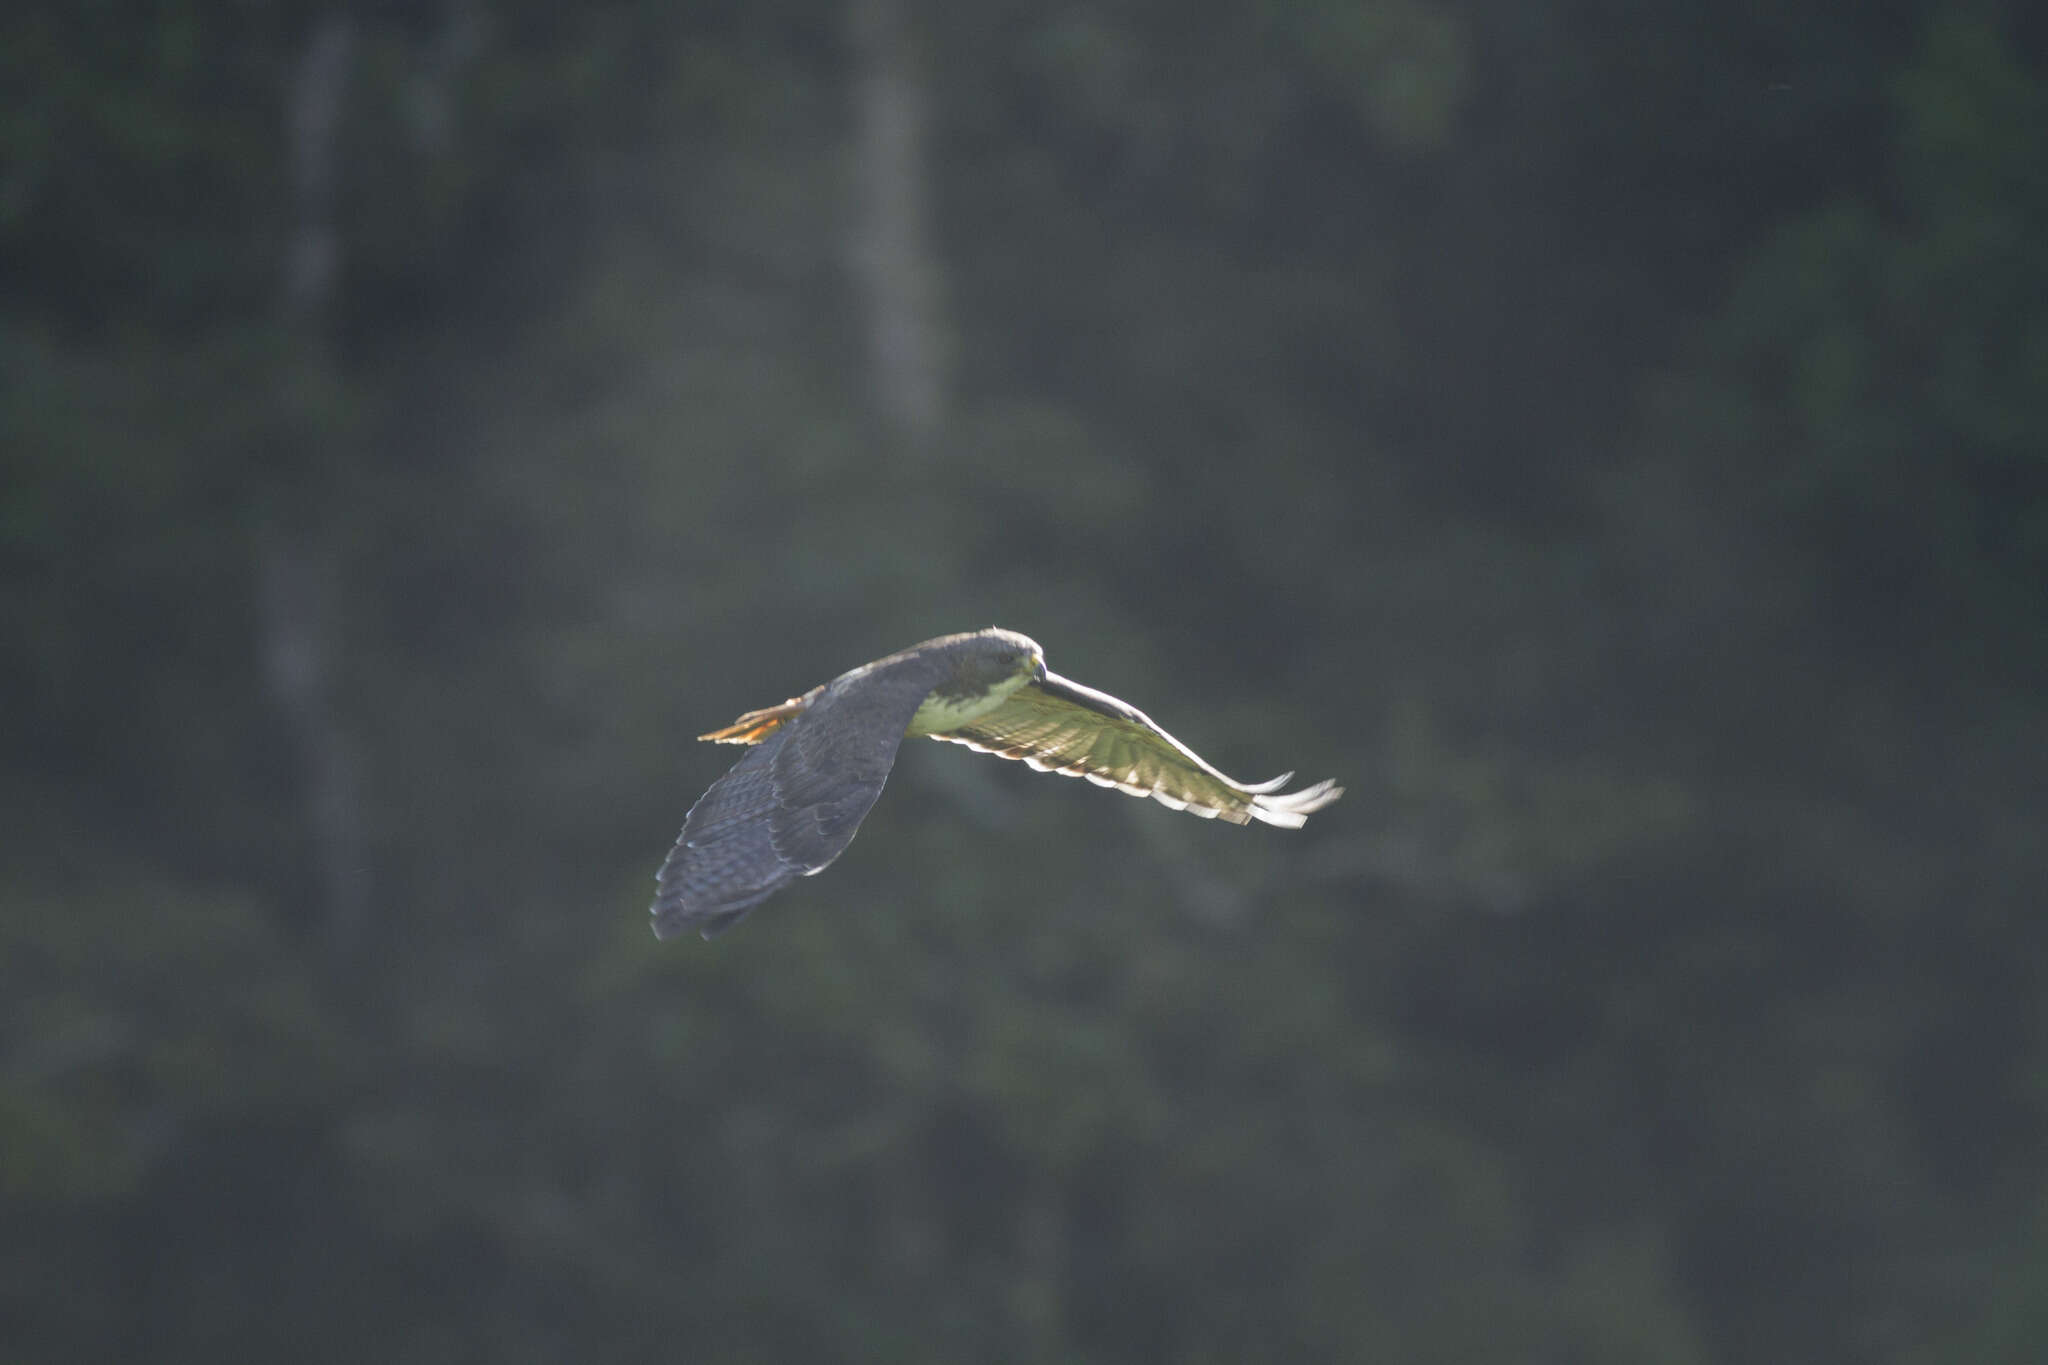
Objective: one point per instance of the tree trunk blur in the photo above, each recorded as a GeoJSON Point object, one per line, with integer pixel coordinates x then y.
{"type": "Point", "coordinates": [295, 570]}
{"type": "Point", "coordinates": [315, 119]}
{"type": "Point", "coordinates": [296, 578]}
{"type": "Point", "coordinates": [893, 262]}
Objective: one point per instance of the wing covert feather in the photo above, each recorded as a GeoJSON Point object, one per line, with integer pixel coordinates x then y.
{"type": "Point", "coordinates": [839, 757]}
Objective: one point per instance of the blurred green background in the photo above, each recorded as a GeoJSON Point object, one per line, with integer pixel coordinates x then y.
{"type": "Point", "coordinates": [1611, 439]}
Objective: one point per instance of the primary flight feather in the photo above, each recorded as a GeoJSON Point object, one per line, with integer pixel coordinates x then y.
{"type": "Point", "coordinates": [818, 762]}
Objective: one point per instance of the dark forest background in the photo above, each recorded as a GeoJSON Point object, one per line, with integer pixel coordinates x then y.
{"type": "Point", "coordinates": [1611, 439]}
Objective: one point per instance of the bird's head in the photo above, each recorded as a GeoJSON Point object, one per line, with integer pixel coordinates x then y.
{"type": "Point", "coordinates": [1016, 654]}
{"type": "Point", "coordinates": [996, 658]}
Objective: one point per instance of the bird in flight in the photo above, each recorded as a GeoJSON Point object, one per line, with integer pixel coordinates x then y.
{"type": "Point", "coordinates": [818, 762]}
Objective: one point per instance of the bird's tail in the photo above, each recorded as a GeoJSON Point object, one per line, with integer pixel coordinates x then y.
{"type": "Point", "coordinates": [756, 726]}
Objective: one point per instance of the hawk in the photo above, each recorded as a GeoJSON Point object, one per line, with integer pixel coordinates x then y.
{"type": "Point", "coordinates": [818, 762]}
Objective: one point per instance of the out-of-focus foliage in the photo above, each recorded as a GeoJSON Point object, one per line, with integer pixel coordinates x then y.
{"type": "Point", "coordinates": [1878, 382]}
{"type": "Point", "coordinates": [1611, 441]}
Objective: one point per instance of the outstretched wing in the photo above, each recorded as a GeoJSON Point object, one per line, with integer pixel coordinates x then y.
{"type": "Point", "coordinates": [792, 805]}
{"type": "Point", "coordinates": [1058, 726]}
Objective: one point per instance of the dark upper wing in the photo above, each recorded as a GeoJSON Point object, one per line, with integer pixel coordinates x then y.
{"type": "Point", "coordinates": [793, 804]}
{"type": "Point", "coordinates": [1059, 726]}
{"type": "Point", "coordinates": [724, 862]}
{"type": "Point", "coordinates": [838, 756]}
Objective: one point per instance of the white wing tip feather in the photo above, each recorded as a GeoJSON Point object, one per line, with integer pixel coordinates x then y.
{"type": "Point", "coordinates": [1291, 810]}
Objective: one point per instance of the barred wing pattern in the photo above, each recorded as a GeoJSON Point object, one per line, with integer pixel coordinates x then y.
{"type": "Point", "coordinates": [1059, 726]}
{"type": "Point", "coordinates": [724, 862]}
